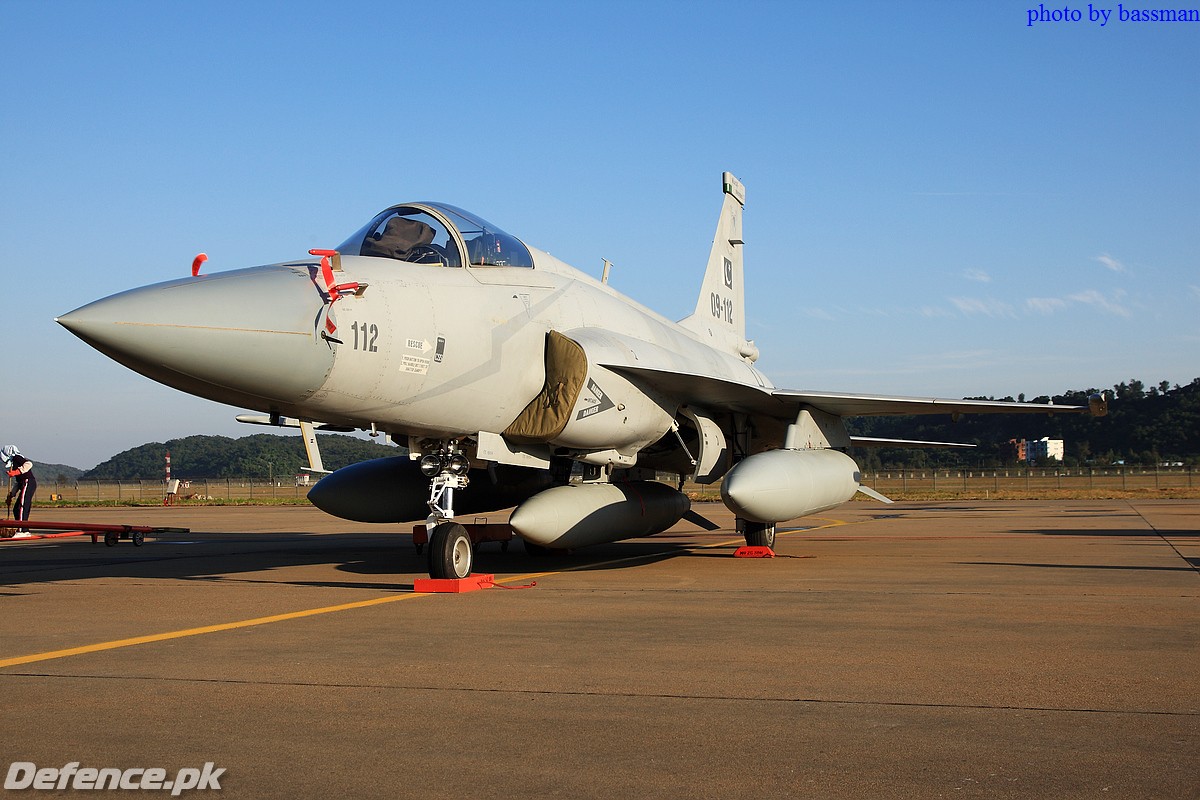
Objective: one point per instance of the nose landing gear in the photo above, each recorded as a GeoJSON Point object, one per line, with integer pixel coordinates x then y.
{"type": "Point", "coordinates": [450, 550]}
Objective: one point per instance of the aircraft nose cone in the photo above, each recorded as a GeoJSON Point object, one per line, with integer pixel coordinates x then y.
{"type": "Point", "coordinates": [236, 337]}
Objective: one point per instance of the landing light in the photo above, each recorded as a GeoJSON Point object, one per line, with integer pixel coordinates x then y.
{"type": "Point", "coordinates": [431, 465]}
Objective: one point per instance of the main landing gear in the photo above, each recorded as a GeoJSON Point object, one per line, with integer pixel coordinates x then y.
{"type": "Point", "coordinates": [759, 534]}
{"type": "Point", "coordinates": [450, 550]}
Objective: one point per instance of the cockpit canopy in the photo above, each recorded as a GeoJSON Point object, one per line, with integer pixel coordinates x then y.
{"type": "Point", "coordinates": [436, 234]}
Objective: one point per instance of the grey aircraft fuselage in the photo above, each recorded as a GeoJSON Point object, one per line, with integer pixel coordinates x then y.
{"type": "Point", "coordinates": [432, 325]}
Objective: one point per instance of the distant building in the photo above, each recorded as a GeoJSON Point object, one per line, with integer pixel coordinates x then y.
{"type": "Point", "coordinates": [1044, 449]}
{"type": "Point", "coordinates": [1013, 450]}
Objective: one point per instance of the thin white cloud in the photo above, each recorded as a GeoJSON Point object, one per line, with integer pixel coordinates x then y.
{"type": "Point", "coordinates": [977, 275]}
{"type": "Point", "coordinates": [818, 313]}
{"type": "Point", "coordinates": [988, 307]}
{"type": "Point", "coordinates": [933, 312]}
{"type": "Point", "coordinates": [1195, 291]}
{"type": "Point", "coordinates": [1095, 299]}
{"type": "Point", "coordinates": [1111, 263]}
{"type": "Point", "coordinates": [1045, 305]}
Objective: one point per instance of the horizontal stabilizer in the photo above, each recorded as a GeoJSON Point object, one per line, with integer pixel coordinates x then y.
{"type": "Point", "coordinates": [868, 441]}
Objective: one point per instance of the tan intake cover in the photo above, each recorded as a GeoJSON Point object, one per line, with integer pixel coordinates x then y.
{"type": "Point", "coordinates": [548, 414]}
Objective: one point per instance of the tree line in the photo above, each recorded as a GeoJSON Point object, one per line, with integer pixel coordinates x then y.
{"type": "Point", "coordinates": [1146, 425]}
{"type": "Point", "coordinates": [261, 456]}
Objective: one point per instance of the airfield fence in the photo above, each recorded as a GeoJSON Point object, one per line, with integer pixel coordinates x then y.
{"type": "Point", "coordinates": [150, 491]}
{"type": "Point", "coordinates": [1015, 479]}
{"type": "Point", "coordinates": [974, 482]}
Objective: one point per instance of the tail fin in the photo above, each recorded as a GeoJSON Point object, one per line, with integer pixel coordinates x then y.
{"type": "Point", "coordinates": [719, 317]}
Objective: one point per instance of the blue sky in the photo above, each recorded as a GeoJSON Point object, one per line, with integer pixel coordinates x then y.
{"type": "Point", "coordinates": [941, 198]}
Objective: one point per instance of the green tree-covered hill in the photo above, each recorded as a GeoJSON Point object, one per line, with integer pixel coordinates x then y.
{"type": "Point", "coordinates": [56, 472]}
{"type": "Point", "coordinates": [259, 456]}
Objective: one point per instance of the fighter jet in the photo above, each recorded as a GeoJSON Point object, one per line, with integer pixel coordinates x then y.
{"type": "Point", "coordinates": [505, 371]}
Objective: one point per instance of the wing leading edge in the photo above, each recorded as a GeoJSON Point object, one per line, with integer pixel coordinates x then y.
{"type": "Point", "coordinates": [786, 403]}
{"type": "Point", "coordinates": [871, 405]}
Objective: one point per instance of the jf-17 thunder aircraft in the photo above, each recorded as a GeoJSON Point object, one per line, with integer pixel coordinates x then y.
{"type": "Point", "coordinates": [505, 370]}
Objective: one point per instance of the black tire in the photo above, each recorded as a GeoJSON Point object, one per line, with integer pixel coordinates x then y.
{"type": "Point", "coordinates": [111, 538]}
{"type": "Point", "coordinates": [138, 538]}
{"type": "Point", "coordinates": [450, 551]}
{"type": "Point", "coordinates": [760, 534]}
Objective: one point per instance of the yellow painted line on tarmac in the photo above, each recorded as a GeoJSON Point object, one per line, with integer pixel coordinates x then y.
{"type": "Point", "coordinates": [829, 523]}
{"type": "Point", "coordinates": [117, 644]}
{"type": "Point", "coordinates": [224, 626]}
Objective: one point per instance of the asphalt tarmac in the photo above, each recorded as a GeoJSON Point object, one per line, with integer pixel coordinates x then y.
{"type": "Point", "coordinates": [957, 649]}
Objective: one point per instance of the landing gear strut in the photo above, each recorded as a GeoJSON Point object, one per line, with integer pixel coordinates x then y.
{"type": "Point", "coordinates": [450, 550]}
{"type": "Point", "coordinates": [759, 534]}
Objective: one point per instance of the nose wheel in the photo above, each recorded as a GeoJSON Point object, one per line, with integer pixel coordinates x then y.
{"type": "Point", "coordinates": [450, 551]}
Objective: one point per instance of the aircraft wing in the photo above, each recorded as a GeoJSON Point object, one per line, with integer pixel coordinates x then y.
{"type": "Point", "coordinates": [871, 441]}
{"type": "Point", "coordinates": [871, 405]}
{"type": "Point", "coordinates": [785, 403]}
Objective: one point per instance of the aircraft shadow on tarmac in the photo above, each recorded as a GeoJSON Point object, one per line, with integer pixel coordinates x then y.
{"type": "Point", "coordinates": [1117, 532]}
{"type": "Point", "coordinates": [221, 558]}
{"type": "Point", "coordinates": [1195, 564]}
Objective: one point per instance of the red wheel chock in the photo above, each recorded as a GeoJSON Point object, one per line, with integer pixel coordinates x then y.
{"type": "Point", "coordinates": [474, 582]}
{"type": "Point", "coordinates": [746, 551]}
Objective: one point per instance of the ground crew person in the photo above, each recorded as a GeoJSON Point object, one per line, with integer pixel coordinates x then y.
{"type": "Point", "coordinates": [23, 483]}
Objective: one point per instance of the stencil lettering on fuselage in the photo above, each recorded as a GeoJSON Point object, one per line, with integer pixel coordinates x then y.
{"type": "Point", "coordinates": [603, 403]}
{"type": "Point", "coordinates": [414, 364]}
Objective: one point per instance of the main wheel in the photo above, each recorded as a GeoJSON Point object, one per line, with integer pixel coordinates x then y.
{"type": "Point", "coordinates": [450, 551]}
{"type": "Point", "coordinates": [760, 534]}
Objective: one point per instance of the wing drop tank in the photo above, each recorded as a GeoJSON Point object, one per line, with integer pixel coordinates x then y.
{"type": "Point", "coordinates": [594, 513]}
{"type": "Point", "coordinates": [784, 484]}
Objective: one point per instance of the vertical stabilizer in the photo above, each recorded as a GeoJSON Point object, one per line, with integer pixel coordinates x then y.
{"type": "Point", "coordinates": [719, 317]}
